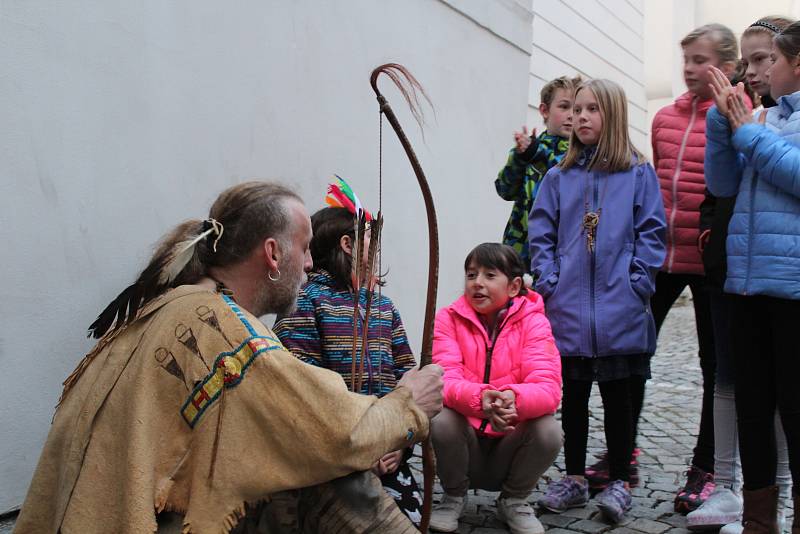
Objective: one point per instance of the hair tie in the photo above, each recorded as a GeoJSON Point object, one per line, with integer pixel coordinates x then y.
{"type": "Point", "coordinates": [212, 226]}
{"type": "Point", "coordinates": [767, 25]}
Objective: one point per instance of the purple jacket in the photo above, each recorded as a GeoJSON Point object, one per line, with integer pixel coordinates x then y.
{"type": "Point", "coordinates": [598, 303]}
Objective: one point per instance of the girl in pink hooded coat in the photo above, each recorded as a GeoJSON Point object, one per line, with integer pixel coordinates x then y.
{"type": "Point", "coordinates": [502, 385]}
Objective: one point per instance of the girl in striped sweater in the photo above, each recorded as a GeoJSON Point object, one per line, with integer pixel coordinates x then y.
{"type": "Point", "coordinates": [320, 332]}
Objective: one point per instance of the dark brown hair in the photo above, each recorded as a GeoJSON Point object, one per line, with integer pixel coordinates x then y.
{"type": "Point", "coordinates": [249, 213]}
{"type": "Point", "coordinates": [788, 41]}
{"type": "Point", "coordinates": [740, 75]}
{"type": "Point", "coordinates": [498, 256]}
{"type": "Point", "coordinates": [329, 225]}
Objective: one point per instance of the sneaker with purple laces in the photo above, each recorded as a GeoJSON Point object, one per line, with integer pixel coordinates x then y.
{"type": "Point", "coordinates": [564, 494]}
{"type": "Point", "coordinates": [614, 501]}
{"type": "Point", "coordinates": [699, 485]}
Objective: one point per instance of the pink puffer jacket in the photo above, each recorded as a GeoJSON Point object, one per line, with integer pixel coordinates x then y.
{"type": "Point", "coordinates": [679, 142]}
{"type": "Point", "coordinates": [524, 359]}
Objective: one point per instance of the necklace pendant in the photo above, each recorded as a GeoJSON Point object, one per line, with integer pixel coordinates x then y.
{"type": "Point", "coordinates": [589, 223]}
{"type": "Point", "coordinates": [590, 220]}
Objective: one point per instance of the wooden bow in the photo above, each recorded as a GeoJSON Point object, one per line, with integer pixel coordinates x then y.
{"type": "Point", "coordinates": [399, 74]}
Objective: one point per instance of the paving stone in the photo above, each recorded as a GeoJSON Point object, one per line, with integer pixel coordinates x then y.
{"type": "Point", "coordinates": [624, 530]}
{"type": "Point", "coordinates": [581, 513]}
{"type": "Point", "coordinates": [663, 495]}
{"type": "Point", "coordinates": [645, 512]}
{"type": "Point", "coordinates": [648, 526]}
{"type": "Point", "coordinates": [556, 520]}
{"type": "Point", "coordinates": [676, 520]}
{"type": "Point", "coordinates": [590, 526]}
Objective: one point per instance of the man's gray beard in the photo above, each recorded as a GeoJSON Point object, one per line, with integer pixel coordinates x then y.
{"type": "Point", "coordinates": [279, 297]}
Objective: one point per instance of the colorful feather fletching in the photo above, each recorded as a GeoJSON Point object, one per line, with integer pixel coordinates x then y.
{"type": "Point", "coordinates": [341, 195]}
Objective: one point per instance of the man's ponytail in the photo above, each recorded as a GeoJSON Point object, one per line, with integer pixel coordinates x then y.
{"type": "Point", "coordinates": [175, 262]}
{"type": "Point", "coordinates": [246, 213]}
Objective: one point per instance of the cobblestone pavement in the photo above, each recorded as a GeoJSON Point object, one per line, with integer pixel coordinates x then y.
{"type": "Point", "coordinates": [667, 435]}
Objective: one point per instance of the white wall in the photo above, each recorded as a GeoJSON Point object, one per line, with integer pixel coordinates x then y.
{"type": "Point", "coordinates": [593, 38]}
{"type": "Point", "coordinates": [121, 118]}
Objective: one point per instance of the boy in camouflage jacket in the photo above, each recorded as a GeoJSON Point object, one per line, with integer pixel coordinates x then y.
{"type": "Point", "coordinates": [531, 158]}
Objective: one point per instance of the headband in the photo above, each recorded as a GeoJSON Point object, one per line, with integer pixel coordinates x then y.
{"type": "Point", "coordinates": [767, 25]}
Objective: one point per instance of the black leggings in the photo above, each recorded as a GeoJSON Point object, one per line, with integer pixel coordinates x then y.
{"type": "Point", "coordinates": [766, 355]}
{"type": "Point", "coordinates": [617, 421]}
{"type": "Point", "coordinates": [668, 289]}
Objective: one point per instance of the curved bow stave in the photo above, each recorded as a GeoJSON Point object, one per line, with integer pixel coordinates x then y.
{"type": "Point", "coordinates": [409, 86]}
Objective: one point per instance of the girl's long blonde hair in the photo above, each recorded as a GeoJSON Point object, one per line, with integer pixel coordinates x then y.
{"type": "Point", "coordinates": [615, 152]}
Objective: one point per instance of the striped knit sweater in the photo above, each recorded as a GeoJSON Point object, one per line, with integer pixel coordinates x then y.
{"type": "Point", "coordinates": [320, 332]}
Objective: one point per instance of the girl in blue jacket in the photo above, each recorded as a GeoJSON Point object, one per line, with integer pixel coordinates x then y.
{"type": "Point", "coordinates": [759, 163]}
{"type": "Point", "coordinates": [597, 240]}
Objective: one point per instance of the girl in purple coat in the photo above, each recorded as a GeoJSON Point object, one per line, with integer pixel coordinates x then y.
{"type": "Point", "coordinates": [596, 237]}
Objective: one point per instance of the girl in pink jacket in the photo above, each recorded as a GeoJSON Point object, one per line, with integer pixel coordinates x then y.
{"type": "Point", "coordinates": [678, 139]}
{"type": "Point", "coordinates": [502, 385]}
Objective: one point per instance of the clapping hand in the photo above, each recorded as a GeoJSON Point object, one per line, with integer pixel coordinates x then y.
{"type": "Point", "coordinates": [730, 100]}
{"type": "Point", "coordinates": [721, 89]}
{"type": "Point", "coordinates": [523, 139]}
{"type": "Point", "coordinates": [738, 114]}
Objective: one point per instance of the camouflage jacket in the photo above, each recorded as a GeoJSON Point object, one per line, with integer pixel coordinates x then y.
{"type": "Point", "coordinates": [519, 181]}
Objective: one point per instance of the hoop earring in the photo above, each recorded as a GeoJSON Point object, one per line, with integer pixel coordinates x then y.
{"type": "Point", "coordinates": [278, 277]}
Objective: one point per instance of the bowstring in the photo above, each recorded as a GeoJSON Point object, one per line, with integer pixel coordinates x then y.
{"type": "Point", "coordinates": [380, 248]}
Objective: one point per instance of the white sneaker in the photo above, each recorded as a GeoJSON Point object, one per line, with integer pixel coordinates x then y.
{"type": "Point", "coordinates": [722, 507]}
{"type": "Point", "coordinates": [444, 517]}
{"type": "Point", "coordinates": [733, 528]}
{"type": "Point", "coordinates": [518, 514]}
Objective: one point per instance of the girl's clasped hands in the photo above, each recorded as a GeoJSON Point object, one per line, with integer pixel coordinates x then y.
{"type": "Point", "coordinates": [500, 409]}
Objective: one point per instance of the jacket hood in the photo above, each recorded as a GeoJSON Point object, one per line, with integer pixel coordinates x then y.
{"type": "Point", "coordinates": [521, 307]}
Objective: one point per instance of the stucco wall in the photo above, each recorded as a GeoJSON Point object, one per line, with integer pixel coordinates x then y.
{"type": "Point", "coordinates": [120, 119]}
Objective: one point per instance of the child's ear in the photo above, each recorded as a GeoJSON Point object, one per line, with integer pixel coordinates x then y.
{"type": "Point", "coordinates": [515, 286]}
{"type": "Point", "coordinates": [544, 111]}
{"type": "Point", "coordinates": [797, 65]}
{"type": "Point", "coordinates": [346, 243]}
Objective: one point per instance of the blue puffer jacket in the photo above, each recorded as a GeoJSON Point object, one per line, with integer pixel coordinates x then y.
{"type": "Point", "coordinates": [599, 303]}
{"type": "Point", "coordinates": [762, 166]}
